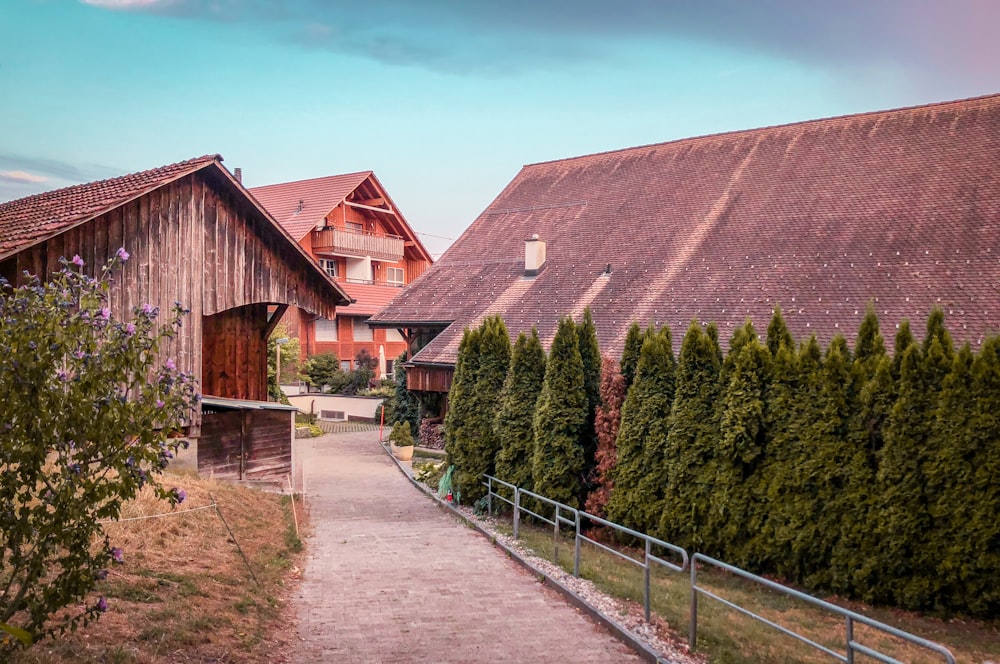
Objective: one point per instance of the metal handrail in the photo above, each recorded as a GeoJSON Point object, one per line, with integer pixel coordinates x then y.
{"type": "Point", "coordinates": [850, 617]}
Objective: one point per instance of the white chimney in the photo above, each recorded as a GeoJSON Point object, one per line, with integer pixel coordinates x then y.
{"type": "Point", "coordinates": [534, 255]}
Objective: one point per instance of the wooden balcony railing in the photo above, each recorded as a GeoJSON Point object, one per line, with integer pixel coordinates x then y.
{"type": "Point", "coordinates": [355, 243]}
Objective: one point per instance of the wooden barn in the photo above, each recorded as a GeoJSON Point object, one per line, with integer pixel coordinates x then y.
{"type": "Point", "coordinates": [196, 237]}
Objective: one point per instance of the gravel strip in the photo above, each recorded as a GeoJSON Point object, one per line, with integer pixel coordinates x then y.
{"type": "Point", "coordinates": [671, 648]}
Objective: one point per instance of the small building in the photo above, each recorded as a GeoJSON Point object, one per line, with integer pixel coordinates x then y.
{"type": "Point", "coordinates": [897, 208]}
{"type": "Point", "coordinates": [356, 233]}
{"type": "Point", "coordinates": [196, 237]}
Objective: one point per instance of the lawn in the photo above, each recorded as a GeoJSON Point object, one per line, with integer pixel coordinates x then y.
{"type": "Point", "coordinates": [184, 592]}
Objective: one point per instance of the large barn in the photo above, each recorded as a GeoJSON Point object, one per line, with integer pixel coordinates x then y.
{"type": "Point", "coordinates": [899, 208]}
{"type": "Point", "coordinates": [196, 237]}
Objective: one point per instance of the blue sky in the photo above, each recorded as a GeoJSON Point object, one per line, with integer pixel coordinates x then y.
{"type": "Point", "coordinates": [446, 99]}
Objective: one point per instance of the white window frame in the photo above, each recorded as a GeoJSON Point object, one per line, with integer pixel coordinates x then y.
{"type": "Point", "coordinates": [330, 266]}
{"type": "Point", "coordinates": [390, 273]}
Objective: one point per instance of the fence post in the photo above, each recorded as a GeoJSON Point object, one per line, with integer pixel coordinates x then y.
{"type": "Point", "coordinates": [489, 496]}
{"type": "Point", "coordinates": [576, 552]}
{"type": "Point", "coordinates": [555, 538]}
{"type": "Point", "coordinates": [693, 628]}
{"type": "Point", "coordinates": [517, 510]}
{"type": "Point", "coordinates": [645, 581]}
{"type": "Point", "coordinates": [850, 639]}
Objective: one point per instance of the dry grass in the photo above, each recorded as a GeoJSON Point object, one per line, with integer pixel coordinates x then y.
{"type": "Point", "coordinates": [184, 594]}
{"type": "Point", "coordinates": [728, 637]}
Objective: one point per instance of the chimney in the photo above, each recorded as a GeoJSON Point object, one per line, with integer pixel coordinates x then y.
{"type": "Point", "coordinates": [534, 255]}
{"type": "Point", "coordinates": [238, 174]}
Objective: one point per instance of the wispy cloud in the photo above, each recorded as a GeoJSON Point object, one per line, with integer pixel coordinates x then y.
{"type": "Point", "coordinates": [21, 176]}
{"type": "Point", "coordinates": [926, 38]}
{"type": "Point", "coordinates": [51, 169]}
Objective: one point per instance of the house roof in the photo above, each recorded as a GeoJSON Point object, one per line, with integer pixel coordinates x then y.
{"type": "Point", "coordinates": [28, 221]}
{"type": "Point", "coordinates": [303, 205]}
{"type": "Point", "coordinates": [900, 208]}
{"type": "Point", "coordinates": [369, 298]}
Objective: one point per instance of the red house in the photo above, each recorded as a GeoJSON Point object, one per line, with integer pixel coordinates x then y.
{"type": "Point", "coordinates": [356, 233]}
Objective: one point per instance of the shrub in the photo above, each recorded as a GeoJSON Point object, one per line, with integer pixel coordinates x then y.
{"type": "Point", "coordinates": [515, 421]}
{"type": "Point", "coordinates": [461, 400]}
{"type": "Point", "coordinates": [324, 370]}
{"type": "Point", "coordinates": [86, 416]}
{"type": "Point", "coordinates": [401, 435]}
{"type": "Point", "coordinates": [606, 423]}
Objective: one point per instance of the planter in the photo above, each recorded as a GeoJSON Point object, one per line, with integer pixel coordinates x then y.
{"type": "Point", "coordinates": [402, 453]}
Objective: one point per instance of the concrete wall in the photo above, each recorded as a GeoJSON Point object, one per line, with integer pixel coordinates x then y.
{"type": "Point", "coordinates": [351, 407]}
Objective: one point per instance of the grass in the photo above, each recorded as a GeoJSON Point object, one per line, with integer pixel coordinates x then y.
{"type": "Point", "coordinates": [728, 637]}
{"type": "Point", "coordinates": [184, 593]}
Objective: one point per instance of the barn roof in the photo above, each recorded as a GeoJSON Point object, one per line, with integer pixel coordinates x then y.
{"type": "Point", "coordinates": [900, 208]}
{"type": "Point", "coordinates": [28, 221]}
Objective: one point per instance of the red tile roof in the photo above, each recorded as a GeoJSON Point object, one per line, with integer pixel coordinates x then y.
{"type": "Point", "coordinates": [898, 207]}
{"type": "Point", "coordinates": [318, 197]}
{"type": "Point", "coordinates": [370, 298]}
{"type": "Point", "coordinates": [27, 221]}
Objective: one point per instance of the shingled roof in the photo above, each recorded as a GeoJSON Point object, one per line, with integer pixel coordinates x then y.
{"type": "Point", "coordinates": [27, 221]}
{"type": "Point", "coordinates": [300, 206]}
{"type": "Point", "coordinates": [900, 208]}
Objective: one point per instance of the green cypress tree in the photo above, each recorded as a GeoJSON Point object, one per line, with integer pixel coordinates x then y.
{"type": "Point", "coordinates": [561, 414]}
{"type": "Point", "coordinates": [740, 448]}
{"type": "Point", "coordinates": [778, 334]}
{"type": "Point", "coordinates": [405, 405]}
{"type": "Point", "coordinates": [461, 401]}
{"type": "Point", "coordinates": [870, 344]}
{"type": "Point", "coordinates": [607, 423]}
{"type": "Point", "coordinates": [483, 443]}
{"type": "Point", "coordinates": [904, 339]}
{"type": "Point", "coordinates": [640, 474]}
{"type": "Point", "coordinates": [964, 546]}
{"type": "Point", "coordinates": [590, 354]}
{"type": "Point", "coordinates": [690, 441]}
{"type": "Point", "coordinates": [515, 421]}
{"type": "Point", "coordinates": [630, 354]}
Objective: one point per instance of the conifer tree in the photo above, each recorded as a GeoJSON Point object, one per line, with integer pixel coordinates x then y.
{"type": "Point", "coordinates": [481, 439]}
{"type": "Point", "coordinates": [461, 402]}
{"type": "Point", "coordinates": [640, 474]}
{"type": "Point", "coordinates": [590, 354]}
{"type": "Point", "coordinates": [962, 480]}
{"type": "Point", "coordinates": [778, 334]}
{"type": "Point", "coordinates": [630, 354]}
{"type": "Point", "coordinates": [690, 441]}
{"type": "Point", "coordinates": [607, 422]}
{"type": "Point", "coordinates": [904, 339]}
{"type": "Point", "coordinates": [515, 421]}
{"type": "Point", "coordinates": [405, 405]}
{"type": "Point", "coordinates": [561, 414]}
{"type": "Point", "coordinates": [740, 447]}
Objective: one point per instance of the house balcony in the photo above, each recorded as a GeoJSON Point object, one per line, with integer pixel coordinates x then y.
{"type": "Point", "coordinates": [340, 242]}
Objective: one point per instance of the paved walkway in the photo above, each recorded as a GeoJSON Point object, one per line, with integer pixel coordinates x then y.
{"type": "Point", "coordinates": [392, 578]}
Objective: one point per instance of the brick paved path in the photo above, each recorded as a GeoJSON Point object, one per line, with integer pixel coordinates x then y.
{"type": "Point", "coordinates": [391, 578]}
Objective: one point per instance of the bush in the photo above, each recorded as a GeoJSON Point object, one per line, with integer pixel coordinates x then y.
{"type": "Point", "coordinates": [515, 421]}
{"type": "Point", "coordinates": [324, 370]}
{"type": "Point", "coordinates": [86, 416]}
{"type": "Point", "coordinates": [401, 435]}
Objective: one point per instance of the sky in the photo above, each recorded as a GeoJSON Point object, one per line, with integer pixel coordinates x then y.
{"type": "Point", "coordinates": [445, 100]}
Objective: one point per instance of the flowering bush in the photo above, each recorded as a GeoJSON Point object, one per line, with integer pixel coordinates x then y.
{"type": "Point", "coordinates": [85, 422]}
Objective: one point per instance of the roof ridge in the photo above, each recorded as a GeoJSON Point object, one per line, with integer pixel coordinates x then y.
{"type": "Point", "coordinates": [307, 180]}
{"type": "Point", "coordinates": [797, 123]}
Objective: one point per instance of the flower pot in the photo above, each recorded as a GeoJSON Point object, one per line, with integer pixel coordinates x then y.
{"type": "Point", "coordinates": [402, 453]}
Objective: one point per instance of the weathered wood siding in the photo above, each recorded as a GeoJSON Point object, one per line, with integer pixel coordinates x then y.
{"type": "Point", "coordinates": [429, 379]}
{"type": "Point", "coordinates": [246, 444]}
{"type": "Point", "coordinates": [235, 353]}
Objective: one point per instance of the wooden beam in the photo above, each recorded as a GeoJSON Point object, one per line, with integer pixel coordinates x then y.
{"type": "Point", "coordinates": [372, 201]}
{"type": "Point", "coordinates": [275, 318]}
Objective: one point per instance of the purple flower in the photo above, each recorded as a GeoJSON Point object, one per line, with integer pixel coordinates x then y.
{"type": "Point", "coordinates": [77, 261]}
{"type": "Point", "coordinates": [117, 555]}
{"type": "Point", "coordinates": [159, 403]}
{"type": "Point", "coordinates": [105, 313]}
{"type": "Point", "coordinates": [102, 605]}
{"type": "Point", "coordinates": [122, 255]}
{"type": "Point", "coordinates": [179, 494]}
{"type": "Point", "coordinates": [170, 364]}
{"type": "Point", "coordinates": [61, 375]}
{"type": "Point", "coordinates": [147, 309]}
{"type": "Point", "coordinates": [130, 329]}
{"type": "Point", "coordinates": [101, 574]}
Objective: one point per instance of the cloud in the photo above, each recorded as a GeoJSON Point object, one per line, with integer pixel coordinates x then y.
{"type": "Point", "coordinates": [52, 169]}
{"type": "Point", "coordinates": [21, 176]}
{"type": "Point", "coordinates": [926, 38]}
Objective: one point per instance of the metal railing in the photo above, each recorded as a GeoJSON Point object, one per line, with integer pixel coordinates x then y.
{"type": "Point", "coordinates": [577, 520]}
{"type": "Point", "coordinates": [560, 510]}
{"type": "Point", "coordinates": [850, 617]}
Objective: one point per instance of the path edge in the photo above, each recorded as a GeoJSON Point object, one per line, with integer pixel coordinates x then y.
{"type": "Point", "coordinates": [616, 629]}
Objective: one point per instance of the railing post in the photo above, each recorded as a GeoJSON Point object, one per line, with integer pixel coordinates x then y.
{"type": "Point", "coordinates": [693, 627]}
{"type": "Point", "coordinates": [645, 582]}
{"type": "Point", "coordinates": [555, 538]}
{"type": "Point", "coordinates": [850, 639]}
{"type": "Point", "coordinates": [576, 552]}
{"type": "Point", "coordinates": [489, 496]}
{"type": "Point", "coordinates": [517, 510]}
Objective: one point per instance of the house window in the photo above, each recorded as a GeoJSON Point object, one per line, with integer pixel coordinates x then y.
{"type": "Point", "coordinates": [394, 276]}
{"type": "Point", "coordinates": [326, 330]}
{"type": "Point", "coordinates": [354, 226]}
{"type": "Point", "coordinates": [331, 267]}
{"type": "Point", "coordinates": [345, 365]}
{"type": "Point", "coordinates": [361, 330]}
{"type": "Point", "coordinates": [388, 367]}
